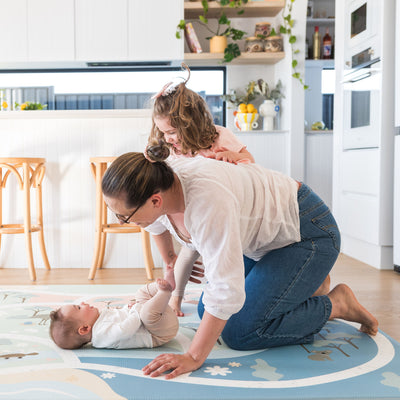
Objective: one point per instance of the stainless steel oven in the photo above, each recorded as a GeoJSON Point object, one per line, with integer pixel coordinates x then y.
{"type": "Point", "coordinates": [361, 105]}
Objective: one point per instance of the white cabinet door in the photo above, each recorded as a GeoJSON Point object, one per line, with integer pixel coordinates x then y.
{"type": "Point", "coordinates": [13, 42]}
{"type": "Point", "coordinates": [101, 30]}
{"type": "Point", "coordinates": [152, 27]}
{"type": "Point", "coordinates": [51, 30]}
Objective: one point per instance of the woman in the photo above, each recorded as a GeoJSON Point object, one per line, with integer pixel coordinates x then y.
{"type": "Point", "coordinates": [286, 233]}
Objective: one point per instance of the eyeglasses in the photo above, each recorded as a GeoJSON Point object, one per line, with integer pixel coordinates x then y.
{"type": "Point", "coordinates": [125, 220]}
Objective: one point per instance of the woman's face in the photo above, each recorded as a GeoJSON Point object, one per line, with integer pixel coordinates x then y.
{"type": "Point", "coordinates": [143, 216]}
{"type": "Point", "coordinates": [170, 133]}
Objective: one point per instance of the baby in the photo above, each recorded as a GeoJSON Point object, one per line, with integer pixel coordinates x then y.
{"type": "Point", "coordinates": [148, 322]}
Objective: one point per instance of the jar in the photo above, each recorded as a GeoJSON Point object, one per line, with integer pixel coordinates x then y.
{"type": "Point", "coordinates": [273, 44]}
{"type": "Point", "coordinates": [262, 28]}
{"type": "Point", "coordinates": [254, 45]}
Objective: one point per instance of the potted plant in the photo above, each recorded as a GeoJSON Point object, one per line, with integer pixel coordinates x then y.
{"type": "Point", "coordinates": [270, 106]}
{"type": "Point", "coordinates": [223, 30]}
{"type": "Point", "coordinates": [246, 115]}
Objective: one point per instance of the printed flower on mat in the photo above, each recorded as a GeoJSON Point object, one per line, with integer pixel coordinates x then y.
{"type": "Point", "coordinates": [107, 375]}
{"type": "Point", "coordinates": [217, 370]}
{"type": "Point", "coordinates": [234, 364]}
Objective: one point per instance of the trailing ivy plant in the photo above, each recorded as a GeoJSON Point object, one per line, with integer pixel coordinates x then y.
{"type": "Point", "coordinates": [286, 29]}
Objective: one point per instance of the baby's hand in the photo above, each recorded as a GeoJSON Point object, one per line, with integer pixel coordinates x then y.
{"type": "Point", "coordinates": [131, 303]}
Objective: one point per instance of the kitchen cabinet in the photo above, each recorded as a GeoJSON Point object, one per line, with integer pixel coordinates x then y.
{"type": "Point", "coordinates": [37, 31]}
{"type": "Point", "coordinates": [50, 30]}
{"type": "Point", "coordinates": [14, 44]}
{"type": "Point", "coordinates": [152, 27]}
{"type": "Point", "coordinates": [101, 30]}
{"type": "Point", "coordinates": [127, 30]}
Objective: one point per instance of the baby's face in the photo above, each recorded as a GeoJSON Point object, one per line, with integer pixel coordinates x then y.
{"type": "Point", "coordinates": [170, 133]}
{"type": "Point", "coordinates": [83, 313]}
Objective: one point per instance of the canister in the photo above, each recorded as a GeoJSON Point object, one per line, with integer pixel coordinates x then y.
{"type": "Point", "coordinates": [273, 44]}
{"type": "Point", "coordinates": [263, 29]}
{"type": "Point", "coordinates": [254, 44]}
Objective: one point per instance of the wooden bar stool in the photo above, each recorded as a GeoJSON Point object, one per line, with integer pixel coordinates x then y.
{"type": "Point", "coordinates": [99, 166]}
{"type": "Point", "coordinates": [29, 173]}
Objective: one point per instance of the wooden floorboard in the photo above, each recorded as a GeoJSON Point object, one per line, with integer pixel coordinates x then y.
{"type": "Point", "coordinates": [378, 291]}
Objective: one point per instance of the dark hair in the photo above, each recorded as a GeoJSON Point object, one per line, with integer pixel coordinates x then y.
{"type": "Point", "coordinates": [158, 152]}
{"type": "Point", "coordinates": [133, 176]}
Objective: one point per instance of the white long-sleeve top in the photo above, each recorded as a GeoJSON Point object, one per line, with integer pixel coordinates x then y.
{"type": "Point", "coordinates": [120, 329]}
{"type": "Point", "coordinates": [231, 210]}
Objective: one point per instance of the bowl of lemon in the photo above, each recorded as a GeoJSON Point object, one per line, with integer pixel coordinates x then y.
{"type": "Point", "coordinates": [246, 117]}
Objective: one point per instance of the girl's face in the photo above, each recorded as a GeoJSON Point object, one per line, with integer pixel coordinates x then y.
{"type": "Point", "coordinates": [170, 133]}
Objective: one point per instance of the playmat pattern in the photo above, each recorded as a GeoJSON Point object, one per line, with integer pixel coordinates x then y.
{"type": "Point", "coordinates": [342, 363]}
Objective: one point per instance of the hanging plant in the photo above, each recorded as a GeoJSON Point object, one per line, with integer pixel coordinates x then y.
{"type": "Point", "coordinates": [286, 29]}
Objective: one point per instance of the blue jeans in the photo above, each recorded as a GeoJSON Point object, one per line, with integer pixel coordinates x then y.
{"type": "Point", "coordinates": [279, 308]}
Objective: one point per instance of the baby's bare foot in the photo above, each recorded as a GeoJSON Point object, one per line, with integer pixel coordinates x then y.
{"type": "Point", "coordinates": [162, 284]}
{"type": "Point", "coordinates": [169, 276]}
{"type": "Point", "coordinates": [346, 306]}
{"type": "Point", "coordinates": [324, 288]}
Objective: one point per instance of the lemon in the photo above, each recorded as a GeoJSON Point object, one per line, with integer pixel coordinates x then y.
{"type": "Point", "coordinates": [243, 108]}
{"type": "Point", "coordinates": [250, 108]}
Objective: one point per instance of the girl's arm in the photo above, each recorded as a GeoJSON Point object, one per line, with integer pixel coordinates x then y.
{"type": "Point", "coordinates": [210, 329]}
{"type": "Point", "coordinates": [223, 154]}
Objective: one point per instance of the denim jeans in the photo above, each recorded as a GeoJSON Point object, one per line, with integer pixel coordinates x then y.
{"type": "Point", "coordinates": [279, 308]}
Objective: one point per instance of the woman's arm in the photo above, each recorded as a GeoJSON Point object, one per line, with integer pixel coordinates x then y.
{"type": "Point", "coordinates": [166, 247]}
{"type": "Point", "coordinates": [210, 329]}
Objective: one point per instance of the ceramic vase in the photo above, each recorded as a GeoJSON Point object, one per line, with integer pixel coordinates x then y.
{"type": "Point", "coordinates": [267, 111]}
{"type": "Point", "coordinates": [246, 121]}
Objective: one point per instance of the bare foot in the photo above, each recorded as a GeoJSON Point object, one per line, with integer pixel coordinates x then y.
{"type": "Point", "coordinates": [324, 288]}
{"type": "Point", "coordinates": [175, 303]}
{"type": "Point", "coordinates": [169, 276]}
{"type": "Point", "coordinates": [346, 306]}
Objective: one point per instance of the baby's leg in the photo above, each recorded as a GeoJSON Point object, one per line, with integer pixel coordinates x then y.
{"type": "Point", "coordinates": [157, 317]}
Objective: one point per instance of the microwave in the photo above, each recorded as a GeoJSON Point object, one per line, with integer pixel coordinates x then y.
{"type": "Point", "coordinates": [362, 20]}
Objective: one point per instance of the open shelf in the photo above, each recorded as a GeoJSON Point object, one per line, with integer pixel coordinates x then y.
{"type": "Point", "coordinates": [266, 8]}
{"type": "Point", "coordinates": [201, 59]}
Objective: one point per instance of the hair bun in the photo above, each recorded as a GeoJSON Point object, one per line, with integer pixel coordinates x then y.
{"type": "Point", "coordinates": [158, 152]}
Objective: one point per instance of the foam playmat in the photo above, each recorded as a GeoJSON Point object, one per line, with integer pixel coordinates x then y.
{"type": "Point", "coordinates": [342, 363]}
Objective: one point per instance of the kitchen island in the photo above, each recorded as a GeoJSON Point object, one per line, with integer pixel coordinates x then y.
{"type": "Point", "coordinates": [67, 139]}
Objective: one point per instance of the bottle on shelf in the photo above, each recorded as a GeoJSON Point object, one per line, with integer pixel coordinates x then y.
{"type": "Point", "coordinates": [327, 45]}
{"type": "Point", "coordinates": [316, 44]}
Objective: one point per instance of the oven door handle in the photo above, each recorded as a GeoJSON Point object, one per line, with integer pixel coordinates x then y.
{"type": "Point", "coordinates": [360, 77]}
{"type": "Point", "coordinates": [352, 78]}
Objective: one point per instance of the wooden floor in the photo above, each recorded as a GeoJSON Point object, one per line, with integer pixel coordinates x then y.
{"type": "Point", "coordinates": [378, 291]}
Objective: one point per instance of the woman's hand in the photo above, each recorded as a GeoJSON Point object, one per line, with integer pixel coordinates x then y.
{"type": "Point", "coordinates": [197, 272]}
{"type": "Point", "coordinates": [177, 364]}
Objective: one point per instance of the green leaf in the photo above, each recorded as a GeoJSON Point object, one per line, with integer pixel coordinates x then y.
{"type": "Point", "coordinates": [296, 75]}
{"type": "Point", "coordinates": [305, 87]}
{"type": "Point", "coordinates": [297, 51]}
{"type": "Point", "coordinates": [294, 63]}
{"type": "Point", "coordinates": [292, 39]}
{"type": "Point", "coordinates": [177, 35]}
{"type": "Point", "coordinates": [282, 29]}
{"type": "Point", "coordinates": [204, 4]}
{"type": "Point", "coordinates": [203, 19]}
{"type": "Point", "coordinates": [223, 20]}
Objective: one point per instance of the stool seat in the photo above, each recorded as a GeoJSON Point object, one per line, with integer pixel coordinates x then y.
{"type": "Point", "coordinates": [29, 172]}
{"type": "Point", "coordinates": [98, 166]}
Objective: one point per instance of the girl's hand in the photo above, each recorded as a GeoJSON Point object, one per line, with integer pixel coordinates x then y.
{"type": "Point", "coordinates": [176, 364]}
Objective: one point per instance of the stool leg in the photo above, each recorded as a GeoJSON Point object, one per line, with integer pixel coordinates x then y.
{"type": "Point", "coordinates": [39, 210]}
{"type": "Point", "coordinates": [103, 234]}
{"type": "Point", "coordinates": [27, 221]}
{"type": "Point", "coordinates": [148, 257]}
{"type": "Point", "coordinates": [99, 201]}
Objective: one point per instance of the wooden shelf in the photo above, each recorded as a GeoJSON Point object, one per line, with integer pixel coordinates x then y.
{"type": "Point", "coordinates": [266, 8]}
{"type": "Point", "coordinates": [201, 59]}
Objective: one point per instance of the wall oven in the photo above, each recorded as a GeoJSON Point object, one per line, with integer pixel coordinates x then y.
{"type": "Point", "coordinates": [362, 88]}
{"type": "Point", "coordinates": [362, 18]}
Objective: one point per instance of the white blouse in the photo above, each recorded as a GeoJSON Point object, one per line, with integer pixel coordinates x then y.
{"type": "Point", "coordinates": [231, 210]}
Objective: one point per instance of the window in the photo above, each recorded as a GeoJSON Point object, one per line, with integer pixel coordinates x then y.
{"type": "Point", "coordinates": [106, 88]}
